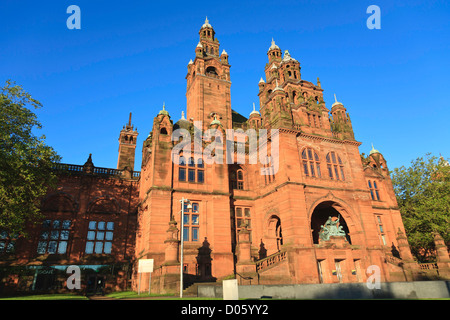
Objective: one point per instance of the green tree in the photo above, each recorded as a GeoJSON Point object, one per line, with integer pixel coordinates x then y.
{"type": "Point", "coordinates": [25, 160]}
{"type": "Point", "coordinates": [423, 195]}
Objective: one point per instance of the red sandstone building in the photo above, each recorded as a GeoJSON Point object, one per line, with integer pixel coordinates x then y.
{"type": "Point", "coordinates": [323, 214]}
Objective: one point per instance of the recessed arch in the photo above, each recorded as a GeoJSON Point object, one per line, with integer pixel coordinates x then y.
{"type": "Point", "coordinates": [104, 205]}
{"type": "Point", "coordinates": [59, 202]}
{"type": "Point", "coordinates": [322, 211]}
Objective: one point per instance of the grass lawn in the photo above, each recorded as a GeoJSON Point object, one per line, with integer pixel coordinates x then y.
{"type": "Point", "coordinates": [145, 295]}
{"type": "Point", "coordinates": [63, 296]}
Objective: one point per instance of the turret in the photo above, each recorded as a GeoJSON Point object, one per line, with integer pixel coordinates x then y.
{"type": "Point", "coordinates": [127, 146]}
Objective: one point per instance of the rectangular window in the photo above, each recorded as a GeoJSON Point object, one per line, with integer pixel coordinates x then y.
{"type": "Point", "coordinates": [191, 175]}
{"type": "Point", "coordinates": [99, 237]}
{"type": "Point", "coordinates": [191, 223]}
{"type": "Point", "coordinates": [185, 233]}
{"type": "Point", "coordinates": [381, 230]}
{"type": "Point", "coordinates": [7, 244]}
{"type": "Point", "coordinates": [54, 237]}
{"type": "Point", "coordinates": [243, 215]}
{"type": "Point", "coordinates": [181, 174]}
{"type": "Point", "coordinates": [194, 233]}
{"type": "Point", "coordinates": [200, 176]}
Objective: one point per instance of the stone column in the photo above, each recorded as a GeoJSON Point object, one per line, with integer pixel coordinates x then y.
{"type": "Point", "coordinates": [403, 247]}
{"type": "Point", "coordinates": [410, 267]}
{"type": "Point", "coordinates": [169, 281]}
{"type": "Point", "coordinates": [172, 244]}
{"type": "Point", "coordinates": [442, 257]}
{"type": "Point", "coordinates": [245, 267]}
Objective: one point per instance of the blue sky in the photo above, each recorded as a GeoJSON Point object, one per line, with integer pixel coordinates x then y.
{"type": "Point", "coordinates": [131, 56]}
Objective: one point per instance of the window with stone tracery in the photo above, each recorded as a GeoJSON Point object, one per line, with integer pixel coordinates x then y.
{"type": "Point", "coordinates": [335, 166]}
{"type": "Point", "coordinates": [311, 163]}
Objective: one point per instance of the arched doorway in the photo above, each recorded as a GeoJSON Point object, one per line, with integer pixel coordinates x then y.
{"type": "Point", "coordinates": [275, 233]}
{"type": "Point", "coordinates": [324, 214]}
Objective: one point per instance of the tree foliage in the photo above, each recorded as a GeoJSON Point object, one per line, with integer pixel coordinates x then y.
{"type": "Point", "coordinates": [423, 195]}
{"type": "Point", "coordinates": [25, 160]}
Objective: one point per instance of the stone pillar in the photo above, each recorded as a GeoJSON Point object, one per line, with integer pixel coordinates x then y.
{"type": "Point", "coordinates": [410, 267]}
{"type": "Point", "coordinates": [172, 244]}
{"type": "Point", "coordinates": [442, 257]}
{"type": "Point", "coordinates": [403, 247]}
{"type": "Point", "coordinates": [169, 281]}
{"type": "Point", "coordinates": [245, 267]}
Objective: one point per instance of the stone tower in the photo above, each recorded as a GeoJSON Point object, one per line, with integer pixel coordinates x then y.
{"type": "Point", "coordinates": [208, 81]}
{"type": "Point", "coordinates": [127, 146]}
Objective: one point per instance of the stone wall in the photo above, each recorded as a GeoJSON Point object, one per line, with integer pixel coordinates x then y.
{"type": "Point", "coordinates": [388, 290]}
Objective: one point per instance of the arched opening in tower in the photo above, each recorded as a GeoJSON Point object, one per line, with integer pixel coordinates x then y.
{"type": "Point", "coordinates": [320, 217]}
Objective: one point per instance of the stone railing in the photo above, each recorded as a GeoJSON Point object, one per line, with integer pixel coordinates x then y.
{"type": "Point", "coordinates": [108, 172]}
{"type": "Point", "coordinates": [271, 260]}
{"type": "Point", "coordinates": [428, 266]}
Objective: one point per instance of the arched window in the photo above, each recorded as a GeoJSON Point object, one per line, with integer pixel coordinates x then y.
{"type": "Point", "coordinates": [311, 163]}
{"type": "Point", "coordinates": [211, 70]}
{"type": "Point", "coordinates": [335, 166]}
{"type": "Point", "coordinates": [163, 131]}
{"type": "Point", "coordinates": [240, 180]}
{"type": "Point", "coordinates": [269, 174]}
{"type": "Point", "coordinates": [182, 169]}
{"type": "Point", "coordinates": [237, 179]}
{"type": "Point", "coordinates": [374, 190]}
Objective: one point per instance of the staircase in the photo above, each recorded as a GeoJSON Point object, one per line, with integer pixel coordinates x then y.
{"type": "Point", "coordinates": [270, 261]}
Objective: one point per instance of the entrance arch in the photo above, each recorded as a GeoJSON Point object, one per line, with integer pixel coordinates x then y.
{"type": "Point", "coordinates": [274, 232]}
{"type": "Point", "coordinates": [322, 212]}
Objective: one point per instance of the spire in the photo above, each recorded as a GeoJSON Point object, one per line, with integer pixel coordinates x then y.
{"type": "Point", "coordinates": [336, 102]}
{"type": "Point", "coordinates": [287, 57]}
{"type": "Point", "coordinates": [254, 111]}
{"type": "Point", "coordinates": [206, 24]}
{"type": "Point", "coordinates": [182, 115]}
{"type": "Point", "coordinates": [273, 46]}
{"type": "Point", "coordinates": [373, 150]}
{"type": "Point", "coordinates": [261, 81]}
{"type": "Point", "coordinates": [163, 111]}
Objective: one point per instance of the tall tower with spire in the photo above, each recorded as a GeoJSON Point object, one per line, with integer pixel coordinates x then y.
{"type": "Point", "coordinates": [127, 146]}
{"type": "Point", "coordinates": [208, 81]}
